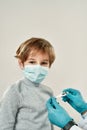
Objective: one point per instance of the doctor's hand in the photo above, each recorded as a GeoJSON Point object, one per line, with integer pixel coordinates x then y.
{"type": "Point", "coordinates": [57, 114]}
{"type": "Point", "coordinates": [75, 99]}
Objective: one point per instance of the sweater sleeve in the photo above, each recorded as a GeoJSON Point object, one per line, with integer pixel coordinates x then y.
{"type": "Point", "coordinates": [83, 122]}
{"type": "Point", "coordinates": [8, 109]}
{"type": "Point", "coordinates": [75, 128]}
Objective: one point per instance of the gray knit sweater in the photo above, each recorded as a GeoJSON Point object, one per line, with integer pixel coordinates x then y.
{"type": "Point", "coordinates": [23, 107]}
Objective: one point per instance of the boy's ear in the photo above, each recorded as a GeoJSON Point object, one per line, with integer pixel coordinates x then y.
{"type": "Point", "coordinates": [20, 64]}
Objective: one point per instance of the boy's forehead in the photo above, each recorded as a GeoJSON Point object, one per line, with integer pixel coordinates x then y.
{"type": "Point", "coordinates": [36, 53]}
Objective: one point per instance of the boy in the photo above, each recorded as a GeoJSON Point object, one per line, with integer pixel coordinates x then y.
{"type": "Point", "coordinates": [23, 106]}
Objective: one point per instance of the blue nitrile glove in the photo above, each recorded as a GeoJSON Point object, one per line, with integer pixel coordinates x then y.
{"type": "Point", "coordinates": [75, 99]}
{"type": "Point", "coordinates": [57, 114]}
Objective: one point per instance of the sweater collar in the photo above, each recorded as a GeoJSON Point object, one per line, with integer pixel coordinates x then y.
{"type": "Point", "coordinates": [28, 82]}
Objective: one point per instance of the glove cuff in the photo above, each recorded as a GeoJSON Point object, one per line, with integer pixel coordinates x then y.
{"type": "Point", "coordinates": [69, 125]}
{"type": "Point", "coordinates": [83, 108]}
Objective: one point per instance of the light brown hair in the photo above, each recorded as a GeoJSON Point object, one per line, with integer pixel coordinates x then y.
{"type": "Point", "coordinates": [36, 44]}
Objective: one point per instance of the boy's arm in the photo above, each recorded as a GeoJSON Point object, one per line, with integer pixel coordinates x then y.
{"type": "Point", "coordinates": [8, 110]}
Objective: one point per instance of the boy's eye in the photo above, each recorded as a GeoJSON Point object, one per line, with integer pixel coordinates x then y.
{"type": "Point", "coordinates": [32, 62]}
{"type": "Point", "coordinates": [44, 63]}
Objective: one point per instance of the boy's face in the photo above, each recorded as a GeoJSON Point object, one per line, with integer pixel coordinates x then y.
{"type": "Point", "coordinates": [38, 58]}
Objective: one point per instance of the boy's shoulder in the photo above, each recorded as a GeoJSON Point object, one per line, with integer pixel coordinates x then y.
{"type": "Point", "coordinates": [12, 93]}
{"type": "Point", "coordinates": [14, 87]}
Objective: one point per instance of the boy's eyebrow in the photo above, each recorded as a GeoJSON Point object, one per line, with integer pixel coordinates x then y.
{"type": "Point", "coordinates": [31, 59]}
{"type": "Point", "coordinates": [45, 60]}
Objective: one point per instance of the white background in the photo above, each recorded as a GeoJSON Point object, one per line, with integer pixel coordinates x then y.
{"type": "Point", "coordinates": [64, 24]}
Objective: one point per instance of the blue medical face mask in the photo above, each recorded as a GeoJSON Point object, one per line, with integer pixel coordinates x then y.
{"type": "Point", "coordinates": [35, 73]}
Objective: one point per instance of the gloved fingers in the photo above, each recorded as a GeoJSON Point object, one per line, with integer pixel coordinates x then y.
{"type": "Point", "coordinates": [68, 97]}
{"type": "Point", "coordinates": [65, 99]}
{"type": "Point", "coordinates": [49, 103]}
{"type": "Point", "coordinates": [55, 103]}
{"type": "Point", "coordinates": [57, 106]}
{"type": "Point", "coordinates": [72, 91]}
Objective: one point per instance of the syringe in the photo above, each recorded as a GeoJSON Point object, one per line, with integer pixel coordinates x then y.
{"type": "Point", "coordinates": [62, 94]}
